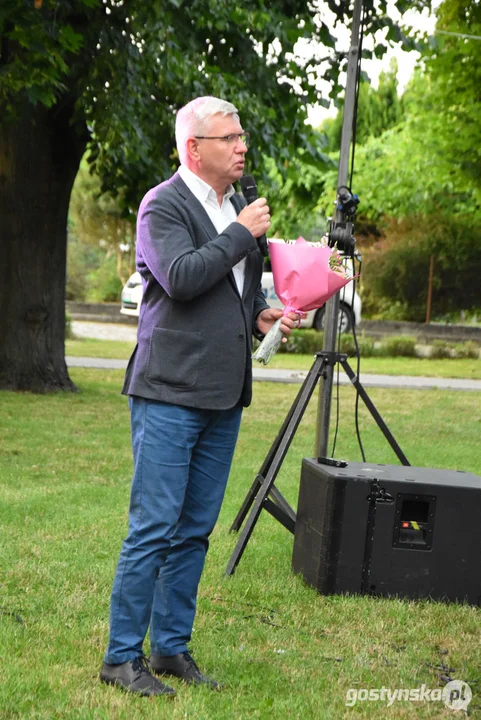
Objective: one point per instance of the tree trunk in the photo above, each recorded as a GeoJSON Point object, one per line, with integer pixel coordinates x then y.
{"type": "Point", "coordinates": [40, 153]}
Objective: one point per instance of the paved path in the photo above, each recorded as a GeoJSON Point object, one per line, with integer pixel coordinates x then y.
{"type": "Point", "coordinates": [297, 376]}
{"type": "Point", "coordinates": [128, 333]}
{"type": "Point", "coordinates": [104, 331]}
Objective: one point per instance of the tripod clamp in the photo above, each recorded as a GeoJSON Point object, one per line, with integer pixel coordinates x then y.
{"type": "Point", "coordinates": [331, 358]}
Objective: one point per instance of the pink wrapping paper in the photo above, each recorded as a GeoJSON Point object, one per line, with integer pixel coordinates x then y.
{"type": "Point", "coordinates": [302, 277]}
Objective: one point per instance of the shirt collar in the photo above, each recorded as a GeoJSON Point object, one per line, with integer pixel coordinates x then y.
{"type": "Point", "coordinates": [202, 190]}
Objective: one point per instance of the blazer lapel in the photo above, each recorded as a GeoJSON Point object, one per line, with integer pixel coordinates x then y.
{"type": "Point", "coordinates": [195, 207]}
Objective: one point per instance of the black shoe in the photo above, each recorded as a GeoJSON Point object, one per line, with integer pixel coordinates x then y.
{"type": "Point", "coordinates": [134, 676]}
{"type": "Point", "coordinates": [182, 666]}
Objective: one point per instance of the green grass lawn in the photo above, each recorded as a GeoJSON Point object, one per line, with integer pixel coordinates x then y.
{"type": "Point", "coordinates": [282, 650]}
{"type": "Point", "coordinates": [452, 368]}
{"type": "Point", "coordinates": [89, 347]}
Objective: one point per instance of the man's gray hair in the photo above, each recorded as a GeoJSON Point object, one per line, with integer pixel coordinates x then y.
{"type": "Point", "coordinates": [192, 119]}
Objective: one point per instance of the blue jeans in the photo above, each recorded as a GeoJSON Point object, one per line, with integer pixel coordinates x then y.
{"type": "Point", "coordinates": [182, 459]}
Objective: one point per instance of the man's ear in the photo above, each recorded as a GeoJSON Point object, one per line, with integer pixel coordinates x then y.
{"type": "Point", "coordinates": [193, 149]}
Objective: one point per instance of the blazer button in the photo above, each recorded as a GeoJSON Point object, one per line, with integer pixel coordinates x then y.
{"type": "Point", "coordinates": [241, 336]}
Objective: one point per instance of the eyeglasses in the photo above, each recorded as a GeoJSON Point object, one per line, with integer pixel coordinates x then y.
{"type": "Point", "coordinates": [231, 139]}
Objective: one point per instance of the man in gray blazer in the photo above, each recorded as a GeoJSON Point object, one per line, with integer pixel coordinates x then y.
{"type": "Point", "coordinates": [187, 381]}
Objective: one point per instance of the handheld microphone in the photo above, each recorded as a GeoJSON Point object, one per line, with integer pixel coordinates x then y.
{"type": "Point", "coordinates": [249, 191]}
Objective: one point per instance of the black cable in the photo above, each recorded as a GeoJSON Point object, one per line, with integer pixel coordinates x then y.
{"type": "Point", "coordinates": [358, 371]}
{"type": "Point", "coordinates": [338, 376]}
{"type": "Point", "coordinates": [333, 451]}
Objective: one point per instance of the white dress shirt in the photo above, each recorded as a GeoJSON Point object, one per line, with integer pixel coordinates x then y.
{"type": "Point", "coordinates": [220, 215]}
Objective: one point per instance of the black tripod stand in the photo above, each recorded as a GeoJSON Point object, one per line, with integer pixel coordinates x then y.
{"type": "Point", "coordinates": [263, 485]}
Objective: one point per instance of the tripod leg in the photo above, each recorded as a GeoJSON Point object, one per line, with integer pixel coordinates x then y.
{"type": "Point", "coordinates": [250, 497]}
{"type": "Point", "coordinates": [248, 500]}
{"type": "Point", "coordinates": [372, 409]}
{"type": "Point", "coordinates": [282, 503]}
{"type": "Point", "coordinates": [295, 416]}
{"type": "Point", "coordinates": [258, 480]}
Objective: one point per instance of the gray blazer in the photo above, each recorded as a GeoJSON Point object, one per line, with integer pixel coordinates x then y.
{"type": "Point", "coordinates": [194, 339]}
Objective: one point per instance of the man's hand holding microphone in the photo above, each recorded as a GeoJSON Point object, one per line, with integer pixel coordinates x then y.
{"type": "Point", "coordinates": [256, 218]}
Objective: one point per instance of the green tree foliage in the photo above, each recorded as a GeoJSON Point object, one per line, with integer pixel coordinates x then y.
{"type": "Point", "coordinates": [127, 67]}
{"type": "Point", "coordinates": [293, 195]}
{"type": "Point", "coordinates": [415, 190]}
{"type": "Point", "coordinates": [455, 70]}
{"type": "Point", "coordinates": [104, 284]}
{"type": "Point", "coordinates": [303, 197]}
{"type": "Point", "coordinates": [96, 220]}
{"type": "Point", "coordinates": [378, 110]}
{"type": "Point", "coordinates": [82, 260]}
{"type": "Point", "coordinates": [420, 182]}
{"type": "Point", "coordinates": [430, 162]}
{"type": "Point", "coordinates": [417, 172]}
{"type": "Point", "coordinates": [396, 272]}
{"type": "Point", "coordinates": [414, 167]}
{"type": "Point", "coordinates": [109, 75]}
{"type": "Point", "coordinates": [408, 170]}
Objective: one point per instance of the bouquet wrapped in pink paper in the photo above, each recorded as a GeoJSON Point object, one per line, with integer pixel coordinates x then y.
{"type": "Point", "coordinates": [305, 276]}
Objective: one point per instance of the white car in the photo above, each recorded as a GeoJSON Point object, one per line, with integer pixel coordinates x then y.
{"type": "Point", "coordinates": [350, 303]}
{"type": "Point", "coordinates": [131, 296]}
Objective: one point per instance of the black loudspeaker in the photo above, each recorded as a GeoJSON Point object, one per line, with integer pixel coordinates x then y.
{"type": "Point", "coordinates": [389, 530]}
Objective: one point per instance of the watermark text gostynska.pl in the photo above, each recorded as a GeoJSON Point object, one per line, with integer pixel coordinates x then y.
{"type": "Point", "coordinates": [456, 695]}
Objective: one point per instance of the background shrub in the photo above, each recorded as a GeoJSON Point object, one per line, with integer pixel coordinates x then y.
{"type": "Point", "coordinates": [82, 260]}
{"type": "Point", "coordinates": [303, 342]}
{"type": "Point", "coordinates": [68, 326]}
{"type": "Point", "coordinates": [104, 283]}
{"type": "Point", "coordinates": [468, 349]}
{"type": "Point", "coordinates": [443, 349]}
{"type": "Point", "coordinates": [308, 342]}
{"type": "Point", "coordinates": [365, 343]}
{"type": "Point", "coordinates": [398, 346]}
{"type": "Point", "coordinates": [396, 268]}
